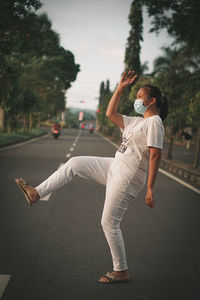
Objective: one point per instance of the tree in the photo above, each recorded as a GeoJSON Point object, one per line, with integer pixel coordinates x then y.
{"type": "Point", "coordinates": [179, 18]}
{"type": "Point", "coordinates": [12, 22]}
{"type": "Point", "coordinates": [132, 52]}
{"type": "Point", "coordinates": [193, 119]}
{"type": "Point", "coordinates": [37, 71]}
{"type": "Point", "coordinates": [104, 97]}
{"type": "Point", "coordinates": [170, 74]}
{"type": "Point", "coordinates": [12, 25]}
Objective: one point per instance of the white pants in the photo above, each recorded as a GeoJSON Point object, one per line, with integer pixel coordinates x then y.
{"type": "Point", "coordinates": [116, 202]}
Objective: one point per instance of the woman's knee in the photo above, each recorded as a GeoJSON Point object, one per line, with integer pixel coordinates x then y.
{"type": "Point", "coordinates": [109, 224]}
{"type": "Point", "coordinates": [74, 162]}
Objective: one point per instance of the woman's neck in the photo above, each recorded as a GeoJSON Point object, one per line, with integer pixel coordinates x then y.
{"type": "Point", "coordinates": [151, 112]}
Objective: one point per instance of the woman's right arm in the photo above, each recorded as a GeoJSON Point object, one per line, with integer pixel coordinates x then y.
{"type": "Point", "coordinates": [111, 113]}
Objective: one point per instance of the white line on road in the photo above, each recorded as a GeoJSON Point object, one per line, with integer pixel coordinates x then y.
{"type": "Point", "coordinates": [189, 186]}
{"type": "Point", "coordinates": [3, 283]}
{"type": "Point", "coordinates": [68, 155]}
{"type": "Point", "coordinates": [180, 181]}
{"type": "Point", "coordinates": [46, 198]}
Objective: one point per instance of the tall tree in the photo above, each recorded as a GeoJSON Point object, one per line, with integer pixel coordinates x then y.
{"type": "Point", "coordinates": [132, 52]}
{"type": "Point", "coordinates": [181, 20]}
{"type": "Point", "coordinates": [12, 24]}
{"type": "Point", "coordinates": [171, 74]}
{"type": "Point", "coordinates": [194, 121]}
{"type": "Point", "coordinates": [36, 71]}
{"type": "Point", "coordinates": [101, 92]}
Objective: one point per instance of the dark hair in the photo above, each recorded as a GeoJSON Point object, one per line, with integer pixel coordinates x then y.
{"type": "Point", "coordinates": [161, 100]}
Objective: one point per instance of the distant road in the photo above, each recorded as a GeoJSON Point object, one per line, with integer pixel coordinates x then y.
{"type": "Point", "coordinates": [56, 250]}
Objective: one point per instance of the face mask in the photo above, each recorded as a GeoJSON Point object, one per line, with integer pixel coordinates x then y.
{"type": "Point", "coordinates": [139, 107]}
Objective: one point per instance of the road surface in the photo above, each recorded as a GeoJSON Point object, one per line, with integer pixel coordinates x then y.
{"type": "Point", "coordinates": [56, 249]}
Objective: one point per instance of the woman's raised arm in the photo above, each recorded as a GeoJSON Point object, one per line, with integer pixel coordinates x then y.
{"type": "Point", "coordinates": [126, 80]}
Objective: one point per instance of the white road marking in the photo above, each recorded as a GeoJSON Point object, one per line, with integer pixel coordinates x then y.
{"type": "Point", "coordinates": [189, 186]}
{"type": "Point", "coordinates": [23, 143]}
{"type": "Point", "coordinates": [68, 155]}
{"type": "Point", "coordinates": [3, 283]}
{"type": "Point", "coordinates": [46, 198]}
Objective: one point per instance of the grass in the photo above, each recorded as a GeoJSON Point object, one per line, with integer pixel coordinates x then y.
{"type": "Point", "coordinates": [11, 138]}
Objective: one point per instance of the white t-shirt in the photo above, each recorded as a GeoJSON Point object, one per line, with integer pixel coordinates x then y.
{"type": "Point", "coordinates": [132, 156]}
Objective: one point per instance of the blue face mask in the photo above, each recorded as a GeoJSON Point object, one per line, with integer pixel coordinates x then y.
{"type": "Point", "coordinates": [139, 107]}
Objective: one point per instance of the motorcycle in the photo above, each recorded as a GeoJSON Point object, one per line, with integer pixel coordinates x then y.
{"type": "Point", "coordinates": [55, 133]}
{"type": "Point", "coordinates": [91, 130]}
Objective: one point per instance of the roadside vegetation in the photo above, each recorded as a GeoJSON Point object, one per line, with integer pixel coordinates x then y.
{"type": "Point", "coordinates": [35, 71]}
{"type": "Point", "coordinates": [176, 72]}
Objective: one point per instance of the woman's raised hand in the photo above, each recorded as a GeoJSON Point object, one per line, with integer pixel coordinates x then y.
{"type": "Point", "coordinates": [127, 79]}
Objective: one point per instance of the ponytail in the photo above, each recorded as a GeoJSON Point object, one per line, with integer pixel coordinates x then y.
{"type": "Point", "coordinates": [161, 100]}
{"type": "Point", "coordinates": [163, 112]}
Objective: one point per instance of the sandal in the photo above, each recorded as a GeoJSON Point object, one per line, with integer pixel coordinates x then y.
{"type": "Point", "coordinates": [113, 278]}
{"type": "Point", "coordinates": [22, 184]}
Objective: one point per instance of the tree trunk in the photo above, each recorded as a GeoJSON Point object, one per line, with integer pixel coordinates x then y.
{"type": "Point", "coordinates": [30, 121]}
{"type": "Point", "coordinates": [2, 119]}
{"type": "Point", "coordinates": [197, 152]}
{"type": "Point", "coordinates": [24, 122]}
{"type": "Point", "coordinates": [170, 145]}
{"type": "Point", "coordinates": [39, 122]}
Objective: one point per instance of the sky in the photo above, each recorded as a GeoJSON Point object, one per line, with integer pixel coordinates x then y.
{"type": "Point", "coordinates": [96, 32]}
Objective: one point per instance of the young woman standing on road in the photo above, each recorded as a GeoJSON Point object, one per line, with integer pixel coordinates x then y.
{"type": "Point", "coordinates": [123, 175]}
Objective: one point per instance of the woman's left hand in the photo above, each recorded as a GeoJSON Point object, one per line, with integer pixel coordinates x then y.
{"type": "Point", "coordinates": [149, 198]}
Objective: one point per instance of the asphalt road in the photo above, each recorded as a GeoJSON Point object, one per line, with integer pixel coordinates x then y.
{"type": "Point", "coordinates": [181, 153]}
{"type": "Point", "coordinates": [56, 249]}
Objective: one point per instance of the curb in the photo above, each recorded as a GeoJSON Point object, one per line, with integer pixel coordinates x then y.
{"type": "Point", "coordinates": [23, 142]}
{"type": "Point", "coordinates": [182, 171]}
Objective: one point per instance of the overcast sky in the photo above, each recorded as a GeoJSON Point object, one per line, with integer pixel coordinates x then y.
{"type": "Point", "coordinates": [96, 31]}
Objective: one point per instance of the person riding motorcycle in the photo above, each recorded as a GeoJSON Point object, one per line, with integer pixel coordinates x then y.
{"type": "Point", "coordinates": [91, 128]}
{"type": "Point", "coordinates": [56, 129]}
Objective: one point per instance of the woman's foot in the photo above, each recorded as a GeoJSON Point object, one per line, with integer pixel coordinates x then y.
{"type": "Point", "coordinates": [30, 192]}
{"type": "Point", "coordinates": [115, 276]}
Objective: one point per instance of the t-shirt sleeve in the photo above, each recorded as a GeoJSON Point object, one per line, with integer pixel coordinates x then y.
{"type": "Point", "coordinates": [155, 133]}
{"type": "Point", "coordinates": [127, 120]}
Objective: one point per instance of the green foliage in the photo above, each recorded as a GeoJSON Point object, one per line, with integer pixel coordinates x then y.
{"type": "Point", "coordinates": [194, 110]}
{"type": "Point", "coordinates": [177, 81]}
{"type": "Point", "coordinates": [13, 137]}
{"type": "Point", "coordinates": [35, 70]}
{"type": "Point", "coordinates": [132, 53]}
{"type": "Point", "coordinates": [12, 22]}
{"type": "Point", "coordinates": [179, 17]}
{"type": "Point", "coordinates": [104, 98]}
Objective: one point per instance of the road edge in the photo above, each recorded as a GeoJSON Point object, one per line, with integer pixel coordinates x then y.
{"type": "Point", "coordinates": [20, 143]}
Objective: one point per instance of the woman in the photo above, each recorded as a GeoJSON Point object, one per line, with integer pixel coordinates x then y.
{"type": "Point", "coordinates": [125, 174]}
